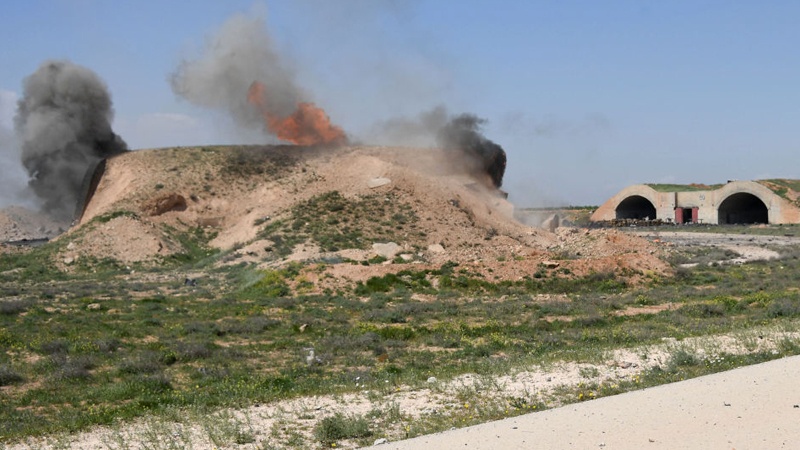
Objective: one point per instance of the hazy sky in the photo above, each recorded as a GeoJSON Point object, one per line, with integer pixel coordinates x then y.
{"type": "Point", "coordinates": [586, 97]}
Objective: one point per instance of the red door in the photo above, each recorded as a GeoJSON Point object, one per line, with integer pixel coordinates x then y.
{"type": "Point", "coordinates": [679, 215]}
{"type": "Point", "coordinates": [695, 214]}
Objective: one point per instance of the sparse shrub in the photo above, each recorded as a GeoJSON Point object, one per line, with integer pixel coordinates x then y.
{"type": "Point", "coordinates": [188, 351]}
{"type": "Point", "coordinates": [107, 345]}
{"type": "Point", "coordinates": [402, 333]}
{"type": "Point", "coordinates": [784, 307]}
{"type": "Point", "coordinates": [378, 259]}
{"type": "Point", "coordinates": [475, 351]}
{"type": "Point", "coordinates": [340, 345]}
{"type": "Point", "coordinates": [444, 340]}
{"type": "Point", "coordinates": [249, 326]}
{"type": "Point", "coordinates": [56, 347]}
{"type": "Point", "coordinates": [152, 321]}
{"type": "Point", "coordinates": [108, 217]}
{"type": "Point", "coordinates": [217, 373]}
{"type": "Point", "coordinates": [8, 375]}
{"type": "Point", "coordinates": [377, 284]}
{"type": "Point", "coordinates": [730, 304]}
{"type": "Point", "coordinates": [13, 306]}
{"type": "Point", "coordinates": [201, 328]}
{"type": "Point", "coordinates": [704, 309]}
{"type": "Point", "coordinates": [243, 437]}
{"type": "Point", "coordinates": [385, 316]}
{"type": "Point", "coordinates": [152, 384]}
{"type": "Point", "coordinates": [72, 368]}
{"type": "Point", "coordinates": [789, 346]}
{"type": "Point", "coordinates": [146, 363]}
{"type": "Point", "coordinates": [680, 358]}
{"type": "Point", "coordinates": [405, 281]}
{"type": "Point", "coordinates": [337, 427]}
{"type": "Point", "coordinates": [272, 284]}
{"type": "Point", "coordinates": [591, 320]}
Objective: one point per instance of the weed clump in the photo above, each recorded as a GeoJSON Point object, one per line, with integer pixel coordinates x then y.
{"type": "Point", "coordinates": [273, 283]}
{"type": "Point", "coordinates": [14, 306]}
{"type": "Point", "coordinates": [337, 427]}
{"type": "Point", "coordinates": [72, 368]}
{"type": "Point", "coordinates": [8, 375]}
{"type": "Point", "coordinates": [140, 365]}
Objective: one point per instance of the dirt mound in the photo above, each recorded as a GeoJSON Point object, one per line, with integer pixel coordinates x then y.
{"type": "Point", "coordinates": [271, 205]}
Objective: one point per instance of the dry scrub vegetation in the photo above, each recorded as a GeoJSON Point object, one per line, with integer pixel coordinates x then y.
{"type": "Point", "coordinates": [258, 313]}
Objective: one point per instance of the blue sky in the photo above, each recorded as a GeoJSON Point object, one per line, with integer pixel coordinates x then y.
{"type": "Point", "coordinates": [586, 97]}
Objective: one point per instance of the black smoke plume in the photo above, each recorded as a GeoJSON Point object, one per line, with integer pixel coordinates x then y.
{"type": "Point", "coordinates": [463, 132]}
{"type": "Point", "coordinates": [63, 125]}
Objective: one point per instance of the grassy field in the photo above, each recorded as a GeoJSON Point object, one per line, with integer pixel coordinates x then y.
{"type": "Point", "coordinates": [104, 346]}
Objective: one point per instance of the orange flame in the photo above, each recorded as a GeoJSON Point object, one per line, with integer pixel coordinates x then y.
{"type": "Point", "coordinates": [307, 125]}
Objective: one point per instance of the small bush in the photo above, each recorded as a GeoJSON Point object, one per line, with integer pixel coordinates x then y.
{"type": "Point", "coordinates": [703, 310]}
{"type": "Point", "coordinates": [682, 358]}
{"type": "Point", "coordinates": [249, 326]}
{"type": "Point", "coordinates": [272, 284]}
{"type": "Point", "coordinates": [334, 428]}
{"type": "Point", "coordinates": [11, 307]}
{"type": "Point", "coordinates": [72, 368]}
{"type": "Point", "coordinates": [200, 328]}
{"type": "Point", "coordinates": [56, 347]}
{"type": "Point", "coordinates": [146, 363]}
{"type": "Point", "coordinates": [153, 384]}
{"type": "Point", "coordinates": [188, 351]}
{"type": "Point", "coordinates": [107, 345]}
{"type": "Point", "coordinates": [8, 375]}
{"type": "Point", "coordinates": [105, 218]}
{"type": "Point", "coordinates": [783, 307]}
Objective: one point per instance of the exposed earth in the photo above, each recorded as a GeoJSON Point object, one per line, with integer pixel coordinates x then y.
{"type": "Point", "coordinates": [407, 206]}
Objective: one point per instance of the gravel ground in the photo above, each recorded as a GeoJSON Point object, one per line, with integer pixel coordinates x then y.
{"type": "Point", "coordinates": [718, 239]}
{"type": "Point", "coordinates": [748, 247]}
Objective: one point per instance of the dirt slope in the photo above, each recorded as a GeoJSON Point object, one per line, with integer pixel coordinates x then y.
{"type": "Point", "coordinates": [269, 205]}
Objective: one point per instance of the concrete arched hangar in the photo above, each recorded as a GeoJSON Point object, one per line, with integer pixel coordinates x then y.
{"type": "Point", "coordinates": [735, 202]}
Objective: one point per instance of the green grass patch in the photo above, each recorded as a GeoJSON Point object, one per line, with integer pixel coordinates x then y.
{"type": "Point", "coordinates": [334, 222]}
{"type": "Point", "coordinates": [684, 187]}
{"type": "Point", "coordinates": [333, 429]}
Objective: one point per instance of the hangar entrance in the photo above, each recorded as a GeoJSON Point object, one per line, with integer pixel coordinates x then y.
{"type": "Point", "coordinates": [687, 215]}
{"type": "Point", "coordinates": [636, 207]}
{"type": "Point", "coordinates": [743, 208]}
